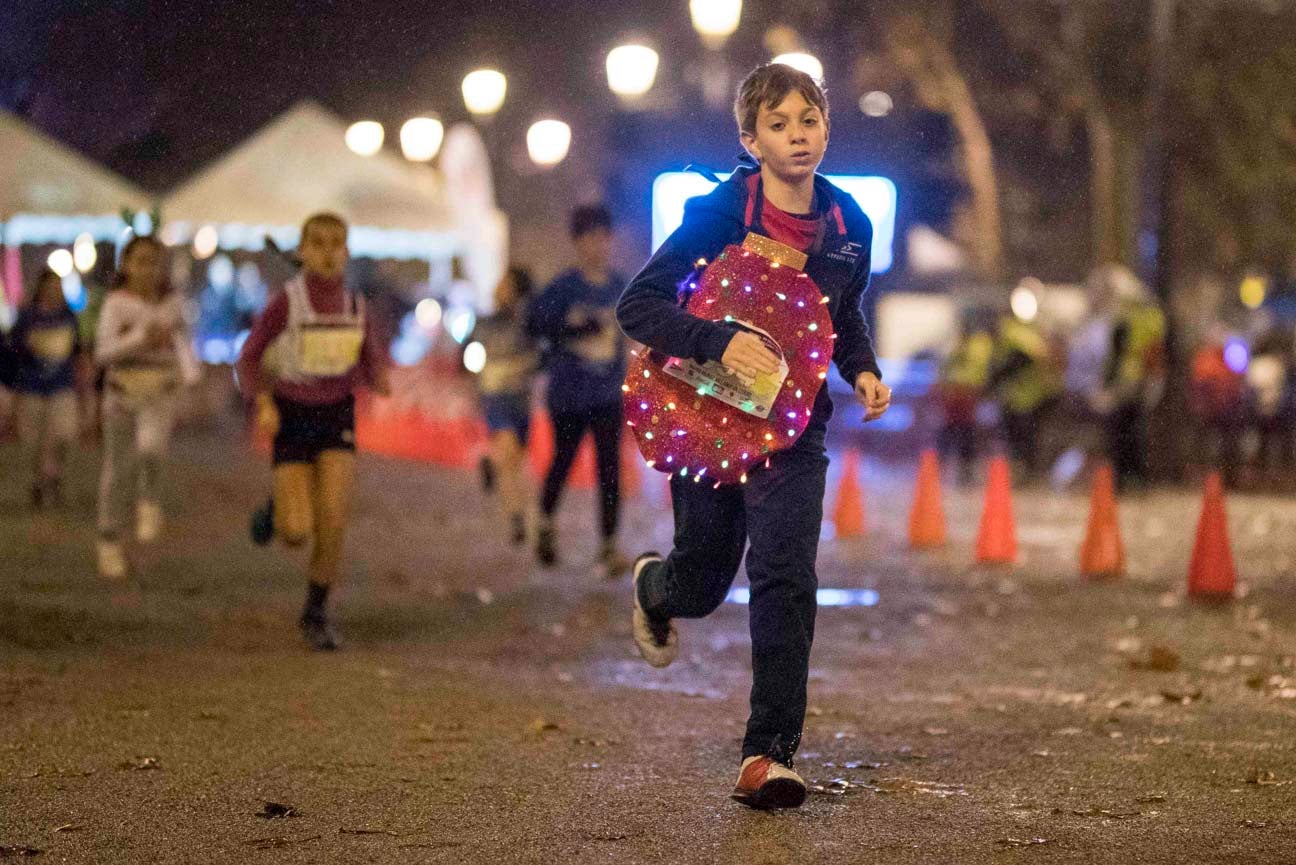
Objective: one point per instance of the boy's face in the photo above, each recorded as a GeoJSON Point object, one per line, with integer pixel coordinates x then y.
{"type": "Point", "coordinates": [790, 138]}
{"type": "Point", "coordinates": [594, 249]}
{"type": "Point", "coordinates": [323, 250]}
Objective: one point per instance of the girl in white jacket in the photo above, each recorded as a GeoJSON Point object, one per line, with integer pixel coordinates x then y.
{"type": "Point", "coordinates": [143, 345]}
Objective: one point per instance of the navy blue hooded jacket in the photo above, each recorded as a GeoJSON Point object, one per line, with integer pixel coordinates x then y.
{"type": "Point", "coordinates": [650, 312]}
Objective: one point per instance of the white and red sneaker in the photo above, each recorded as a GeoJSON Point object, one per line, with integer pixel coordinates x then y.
{"type": "Point", "coordinates": [765, 784]}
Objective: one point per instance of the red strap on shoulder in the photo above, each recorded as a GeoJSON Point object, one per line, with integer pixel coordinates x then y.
{"type": "Point", "coordinates": [750, 215]}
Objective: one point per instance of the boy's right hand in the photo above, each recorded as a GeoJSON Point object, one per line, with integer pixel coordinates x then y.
{"type": "Point", "coordinates": [748, 355]}
{"type": "Point", "coordinates": [267, 416]}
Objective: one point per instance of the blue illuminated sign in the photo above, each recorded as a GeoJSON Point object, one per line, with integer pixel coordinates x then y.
{"type": "Point", "coordinates": [876, 196]}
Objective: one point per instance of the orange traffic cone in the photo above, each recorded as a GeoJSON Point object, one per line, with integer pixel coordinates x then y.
{"type": "Point", "coordinates": [1102, 555]}
{"type": "Point", "coordinates": [848, 513]}
{"type": "Point", "coordinates": [1210, 575]}
{"type": "Point", "coordinates": [927, 519]}
{"type": "Point", "coordinates": [997, 539]}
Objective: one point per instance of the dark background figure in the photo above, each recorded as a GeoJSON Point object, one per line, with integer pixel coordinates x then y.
{"type": "Point", "coordinates": [1027, 383]}
{"type": "Point", "coordinates": [1218, 403]}
{"type": "Point", "coordinates": [586, 361]}
{"type": "Point", "coordinates": [1134, 375]}
{"type": "Point", "coordinates": [1268, 379]}
{"type": "Point", "coordinates": [963, 379]}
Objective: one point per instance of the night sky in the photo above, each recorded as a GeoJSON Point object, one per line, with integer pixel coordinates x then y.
{"type": "Point", "coordinates": [156, 89]}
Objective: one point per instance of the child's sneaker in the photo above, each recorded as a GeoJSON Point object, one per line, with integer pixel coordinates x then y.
{"type": "Point", "coordinates": [764, 783]}
{"type": "Point", "coordinates": [111, 559]}
{"type": "Point", "coordinates": [148, 521]}
{"type": "Point", "coordinates": [546, 553]}
{"type": "Point", "coordinates": [319, 632]}
{"type": "Point", "coordinates": [261, 526]}
{"type": "Point", "coordinates": [611, 561]}
{"type": "Point", "coordinates": [657, 640]}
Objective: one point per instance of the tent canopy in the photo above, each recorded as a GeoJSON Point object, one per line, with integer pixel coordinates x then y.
{"type": "Point", "coordinates": [51, 194]}
{"type": "Point", "coordinates": [38, 175]}
{"type": "Point", "coordinates": [300, 164]}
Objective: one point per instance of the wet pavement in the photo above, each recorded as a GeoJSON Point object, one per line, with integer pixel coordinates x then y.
{"type": "Point", "coordinates": [485, 711]}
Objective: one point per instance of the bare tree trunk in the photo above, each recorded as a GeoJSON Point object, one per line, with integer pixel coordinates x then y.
{"type": "Point", "coordinates": [940, 86]}
{"type": "Point", "coordinates": [1104, 186]}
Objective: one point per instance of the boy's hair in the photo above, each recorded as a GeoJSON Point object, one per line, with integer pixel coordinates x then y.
{"type": "Point", "coordinates": [324, 217]}
{"type": "Point", "coordinates": [769, 84]}
{"type": "Point", "coordinates": [590, 217]}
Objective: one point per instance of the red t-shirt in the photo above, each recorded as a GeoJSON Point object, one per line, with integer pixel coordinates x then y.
{"type": "Point", "coordinates": [797, 230]}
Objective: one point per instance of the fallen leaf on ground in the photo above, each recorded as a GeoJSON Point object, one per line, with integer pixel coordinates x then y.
{"type": "Point", "coordinates": [540, 725]}
{"type": "Point", "coordinates": [1160, 659]}
{"type": "Point", "coordinates": [277, 810]}
{"type": "Point", "coordinates": [140, 764]}
{"type": "Point", "coordinates": [19, 852]}
{"type": "Point", "coordinates": [1021, 842]}
{"type": "Point", "coordinates": [839, 787]}
{"type": "Point", "coordinates": [1264, 778]}
{"type": "Point", "coordinates": [1182, 696]}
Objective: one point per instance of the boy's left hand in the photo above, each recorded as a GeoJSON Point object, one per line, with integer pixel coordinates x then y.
{"type": "Point", "coordinates": [873, 395]}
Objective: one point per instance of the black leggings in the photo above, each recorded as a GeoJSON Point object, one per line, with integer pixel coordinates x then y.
{"type": "Point", "coordinates": [569, 430]}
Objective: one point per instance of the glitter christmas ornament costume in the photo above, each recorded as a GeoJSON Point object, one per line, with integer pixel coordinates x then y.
{"type": "Point", "coordinates": [702, 421]}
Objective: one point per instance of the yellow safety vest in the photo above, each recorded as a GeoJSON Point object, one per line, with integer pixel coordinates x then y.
{"type": "Point", "coordinates": [1028, 388]}
{"type": "Point", "coordinates": [969, 364]}
{"type": "Point", "coordinates": [1145, 336]}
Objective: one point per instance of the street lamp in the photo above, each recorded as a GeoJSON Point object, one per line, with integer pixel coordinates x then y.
{"type": "Point", "coordinates": [1025, 302]}
{"type": "Point", "coordinates": [365, 137]}
{"type": "Point", "coordinates": [631, 70]}
{"type": "Point", "coordinates": [807, 63]}
{"type": "Point", "coordinates": [483, 91]}
{"type": "Point", "coordinates": [84, 254]}
{"type": "Point", "coordinates": [205, 242]}
{"type": "Point", "coordinates": [876, 103]}
{"type": "Point", "coordinates": [421, 138]}
{"type": "Point", "coordinates": [60, 261]}
{"type": "Point", "coordinates": [548, 141]}
{"type": "Point", "coordinates": [715, 20]}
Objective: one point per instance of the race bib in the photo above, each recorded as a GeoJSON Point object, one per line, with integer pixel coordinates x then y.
{"type": "Point", "coordinates": [755, 396]}
{"type": "Point", "coordinates": [51, 344]}
{"type": "Point", "coordinates": [601, 347]}
{"type": "Point", "coordinates": [329, 350]}
{"type": "Point", "coordinates": [142, 383]}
